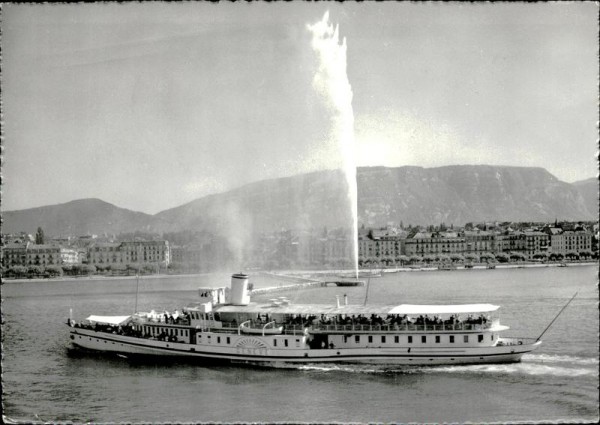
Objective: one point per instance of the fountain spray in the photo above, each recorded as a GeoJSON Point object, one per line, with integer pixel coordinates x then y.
{"type": "Point", "coordinates": [332, 84]}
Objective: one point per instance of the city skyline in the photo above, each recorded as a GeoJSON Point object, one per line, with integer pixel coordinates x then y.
{"type": "Point", "coordinates": [150, 106]}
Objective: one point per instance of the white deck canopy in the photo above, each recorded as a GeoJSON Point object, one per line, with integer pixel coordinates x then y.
{"type": "Point", "coordinates": [109, 320]}
{"type": "Point", "coordinates": [348, 310]}
{"type": "Point", "coordinates": [413, 309]}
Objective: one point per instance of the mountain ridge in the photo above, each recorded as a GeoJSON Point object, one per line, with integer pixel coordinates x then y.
{"type": "Point", "coordinates": [453, 194]}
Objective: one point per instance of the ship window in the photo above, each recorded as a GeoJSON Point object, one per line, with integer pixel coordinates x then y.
{"type": "Point", "coordinates": [228, 340]}
{"type": "Point", "coordinates": [218, 340]}
{"type": "Point", "coordinates": [466, 338]}
{"type": "Point", "coordinates": [345, 339]}
{"type": "Point", "coordinates": [437, 339]}
{"type": "Point", "coordinates": [274, 343]}
{"type": "Point", "coordinates": [357, 338]}
{"type": "Point", "coordinates": [492, 337]}
{"type": "Point", "coordinates": [452, 339]}
{"type": "Point", "coordinates": [410, 339]}
{"type": "Point", "coordinates": [370, 338]}
{"type": "Point", "coordinates": [297, 342]}
{"type": "Point", "coordinates": [423, 339]}
{"type": "Point", "coordinates": [383, 339]}
{"type": "Point", "coordinates": [396, 339]}
{"type": "Point", "coordinates": [479, 338]}
{"type": "Point", "coordinates": [285, 342]}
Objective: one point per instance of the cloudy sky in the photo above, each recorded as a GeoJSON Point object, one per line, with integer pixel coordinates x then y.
{"type": "Point", "coordinates": [149, 106]}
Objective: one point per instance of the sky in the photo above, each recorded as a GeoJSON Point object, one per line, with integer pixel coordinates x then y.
{"type": "Point", "coordinates": [151, 105]}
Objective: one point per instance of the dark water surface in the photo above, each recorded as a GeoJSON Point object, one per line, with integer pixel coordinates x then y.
{"type": "Point", "coordinates": [557, 382]}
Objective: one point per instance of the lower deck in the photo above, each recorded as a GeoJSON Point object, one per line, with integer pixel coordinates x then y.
{"type": "Point", "coordinates": [321, 339]}
{"type": "Point", "coordinates": [307, 348]}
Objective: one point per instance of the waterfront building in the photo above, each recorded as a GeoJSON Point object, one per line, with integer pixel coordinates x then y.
{"type": "Point", "coordinates": [339, 248]}
{"type": "Point", "coordinates": [29, 254]}
{"type": "Point", "coordinates": [381, 244]}
{"type": "Point", "coordinates": [69, 256]}
{"type": "Point", "coordinates": [43, 255]}
{"type": "Point", "coordinates": [194, 256]}
{"type": "Point", "coordinates": [178, 254]}
{"type": "Point", "coordinates": [145, 252]}
{"type": "Point", "coordinates": [535, 242]}
{"type": "Point", "coordinates": [479, 241]}
{"type": "Point", "coordinates": [435, 243]}
{"type": "Point", "coordinates": [104, 253]}
{"type": "Point", "coordinates": [510, 241]}
{"type": "Point", "coordinates": [563, 242]}
{"type": "Point", "coordinates": [130, 252]}
{"type": "Point", "coordinates": [15, 253]}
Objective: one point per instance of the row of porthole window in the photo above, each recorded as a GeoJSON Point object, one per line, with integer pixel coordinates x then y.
{"type": "Point", "coordinates": [438, 339]}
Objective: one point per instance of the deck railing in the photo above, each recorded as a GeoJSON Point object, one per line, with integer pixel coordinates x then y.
{"type": "Point", "coordinates": [395, 328]}
{"type": "Point", "coordinates": [227, 327]}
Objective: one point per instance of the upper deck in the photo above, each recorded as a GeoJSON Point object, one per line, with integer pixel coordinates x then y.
{"type": "Point", "coordinates": [354, 310]}
{"type": "Point", "coordinates": [318, 318]}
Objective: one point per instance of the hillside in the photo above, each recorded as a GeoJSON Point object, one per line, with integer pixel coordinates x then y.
{"type": "Point", "coordinates": [466, 193]}
{"type": "Point", "coordinates": [589, 191]}
{"type": "Point", "coordinates": [412, 195]}
{"type": "Point", "coordinates": [310, 200]}
{"type": "Point", "coordinates": [79, 217]}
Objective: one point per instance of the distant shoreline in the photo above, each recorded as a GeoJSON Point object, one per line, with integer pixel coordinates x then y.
{"type": "Point", "coordinates": [101, 277]}
{"type": "Point", "coordinates": [365, 273]}
{"type": "Point", "coordinates": [301, 275]}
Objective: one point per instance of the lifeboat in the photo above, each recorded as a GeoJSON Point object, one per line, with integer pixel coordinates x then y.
{"type": "Point", "coordinates": [267, 329]}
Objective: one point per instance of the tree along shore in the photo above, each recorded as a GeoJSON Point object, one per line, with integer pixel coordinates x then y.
{"type": "Point", "coordinates": [298, 276]}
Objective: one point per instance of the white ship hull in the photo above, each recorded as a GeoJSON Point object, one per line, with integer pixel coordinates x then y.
{"type": "Point", "coordinates": [225, 326]}
{"type": "Point", "coordinates": [103, 342]}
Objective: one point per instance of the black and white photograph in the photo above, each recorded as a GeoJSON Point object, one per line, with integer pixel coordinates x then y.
{"type": "Point", "coordinates": [300, 212]}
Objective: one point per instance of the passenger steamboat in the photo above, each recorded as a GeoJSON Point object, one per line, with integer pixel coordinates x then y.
{"type": "Point", "coordinates": [225, 326]}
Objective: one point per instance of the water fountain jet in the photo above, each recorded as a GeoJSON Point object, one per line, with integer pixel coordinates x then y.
{"type": "Point", "coordinates": [332, 84]}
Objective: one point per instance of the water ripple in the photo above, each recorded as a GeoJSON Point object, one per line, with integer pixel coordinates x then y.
{"type": "Point", "coordinates": [550, 358]}
{"type": "Point", "coordinates": [524, 368]}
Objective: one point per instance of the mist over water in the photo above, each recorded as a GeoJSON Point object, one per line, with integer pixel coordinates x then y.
{"type": "Point", "coordinates": [332, 84]}
{"type": "Point", "coordinates": [291, 195]}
